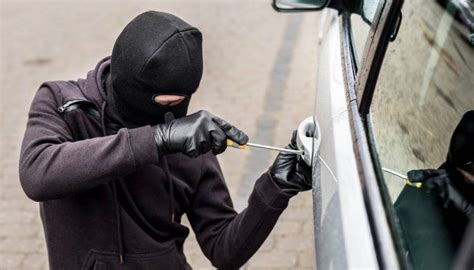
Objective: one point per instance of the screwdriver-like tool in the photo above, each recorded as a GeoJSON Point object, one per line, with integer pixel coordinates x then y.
{"type": "Point", "coordinates": [405, 178]}
{"type": "Point", "coordinates": [243, 146]}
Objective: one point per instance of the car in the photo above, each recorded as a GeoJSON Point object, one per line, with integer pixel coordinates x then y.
{"type": "Point", "coordinates": [394, 83]}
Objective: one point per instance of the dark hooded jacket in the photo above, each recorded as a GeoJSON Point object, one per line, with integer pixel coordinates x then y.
{"type": "Point", "coordinates": [108, 200]}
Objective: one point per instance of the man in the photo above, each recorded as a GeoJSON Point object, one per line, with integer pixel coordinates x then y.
{"type": "Point", "coordinates": [453, 182]}
{"type": "Point", "coordinates": [115, 161]}
{"type": "Point", "coordinates": [435, 218]}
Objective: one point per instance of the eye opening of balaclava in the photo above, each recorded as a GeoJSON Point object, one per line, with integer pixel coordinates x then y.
{"type": "Point", "coordinates": [185, 97]}
{"type": "Point", "coordinates": [157, 53]}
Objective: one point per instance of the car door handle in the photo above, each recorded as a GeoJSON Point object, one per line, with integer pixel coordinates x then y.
{"type": "Point", "coordinates": [308, 138]}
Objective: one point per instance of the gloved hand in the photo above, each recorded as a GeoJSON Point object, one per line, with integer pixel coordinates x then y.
{"type": "Point", "coordinates": [290, 172]}
{"type": "Point", "coordinates": [196, 134]}
{"type": "Point", "coordinates": [439, 181]}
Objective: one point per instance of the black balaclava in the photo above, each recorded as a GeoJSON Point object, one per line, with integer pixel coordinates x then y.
{"type": "Point", "coordinates": [157, 53]}
{"type": "Point", "coordinates": [461, 147]}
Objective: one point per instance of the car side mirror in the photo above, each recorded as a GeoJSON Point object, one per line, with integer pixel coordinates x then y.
{"type": "Point", "coordinates": [366, 8]}
{"type": "Point", "coordinates": [299, 5]}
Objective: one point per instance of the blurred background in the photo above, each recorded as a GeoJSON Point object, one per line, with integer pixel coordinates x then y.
{"type": "Point", "coordinates": [260, 74]}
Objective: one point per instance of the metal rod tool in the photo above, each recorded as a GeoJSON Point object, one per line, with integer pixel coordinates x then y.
{"type": "Point", "coordinates": [243, 146]}
{"type": "Point", "coordinates": [407, 181]}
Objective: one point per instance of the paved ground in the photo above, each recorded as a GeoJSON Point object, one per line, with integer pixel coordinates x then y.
{"type": "Point", "coordinates": [259, 74]}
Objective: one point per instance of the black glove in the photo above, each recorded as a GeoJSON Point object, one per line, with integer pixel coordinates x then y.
{"type": "Point", "coordinates": [290, 172]}
{"type": "Point", "coordinates": [196, 134]}
{"type": "Point", "coordinates": [440, 182]}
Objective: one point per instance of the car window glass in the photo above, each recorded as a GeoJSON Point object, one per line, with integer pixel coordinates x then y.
{"type": "Point", "coordinates": [360, 31]}
{"type": "Point", "coordinates": [361, 21]}
{"type": "Point", "coordinates": [421, 118]}
{"type": "Point", "coordinates": [369, 8]}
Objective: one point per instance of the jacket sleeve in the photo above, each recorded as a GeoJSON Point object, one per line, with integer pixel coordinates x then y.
{"type": "Point", "coordinates": [229, 239]}
{"type": "Point", "coordinates": [53, 166]}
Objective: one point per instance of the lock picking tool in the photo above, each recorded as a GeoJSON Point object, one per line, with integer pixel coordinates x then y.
{"type": "Point", "coordinates": [308, 138]}
{"type": "Point", "coordinates": [255, 145]}
{"type": "Point", "coordinates": [405, 178]}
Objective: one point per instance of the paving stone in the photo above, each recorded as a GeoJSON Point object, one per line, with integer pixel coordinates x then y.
{"type": "Point", "coordinates": [12, 193]}
{"type": "Point", "coordinates": [305, 199]}
{"type": "Point", "coordinates": [34, 261]}
{"type": "Point", "coordinates": [308, 228]}
{"type": "Point", "coordinates": [16, 204]}
{"type": "Point", "coordinates": [295, 242]}
{"type": "Point", "coordinates": [42, 250]}
{"type": "Point", "coordinates": [299, 213]}
{"type": "Point", "coordinates": [20, 245]}
{"type": "Point", "coordinates": [285, 227]}
{"type": "Point", "coordinates": [274, 259]}
{"type": "Point", "coordinates": [17, 217]}
{"type": "Point", "coordinates": [198, 261]}
{"type": "Point", "coordinates": [10, 261]}
{"type": "Point", "coordinates": [306, 259]}
{"type": "Point", "coordinates": [18, 231]}
{"type": "Point", "coordinates": [268, 245]}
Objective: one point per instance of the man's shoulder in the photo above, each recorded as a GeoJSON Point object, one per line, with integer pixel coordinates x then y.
{"type": "Point", "coordinates": [64, 89]}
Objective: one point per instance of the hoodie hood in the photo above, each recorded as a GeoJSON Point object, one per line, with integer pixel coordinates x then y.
{"type": "Point", "coordinates": [93, 81]}
{"type": "Point", "coordinates": [156, 54]}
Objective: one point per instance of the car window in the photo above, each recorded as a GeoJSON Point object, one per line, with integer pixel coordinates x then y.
{"type": "Point", "coordinates": [421, 118]}
{"type": "Point", "coordinates": [369, 8]}
{"type": "Point", "coordinates": [360, 31]}
{"type": "Point", "coordinates": [360, 26]}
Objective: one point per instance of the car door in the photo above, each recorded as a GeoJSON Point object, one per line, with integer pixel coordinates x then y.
{"type": "Point", "coordinates": [360, 230]}
{"type": "Point", "coordinates": [350, 224]}
{"type": "Point", "coordinates": [343, 238]}
{"type": "Point", "coordinates": [361, 68]}
{"type": "Point", "coordinates": [352, 202]}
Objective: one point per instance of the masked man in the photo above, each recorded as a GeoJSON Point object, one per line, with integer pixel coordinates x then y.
{"type": "Point", "coordinates": [453, 182]}
{"type": "Point", "coordinates": [115, 162]}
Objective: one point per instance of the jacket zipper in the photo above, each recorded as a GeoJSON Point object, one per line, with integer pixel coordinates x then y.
{"type": "Point", "coordinates": [65, 106]}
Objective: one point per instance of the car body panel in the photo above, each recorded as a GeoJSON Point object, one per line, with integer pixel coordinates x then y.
{"type": "Point", "coordinates": [342, 232]}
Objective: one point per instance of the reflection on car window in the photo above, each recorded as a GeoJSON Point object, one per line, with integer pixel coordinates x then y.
{"type": "Point", "coordinates": [360, 31]}
{"type": "Point", "coordinates": [368, 9]}
{"type": "Point", "coordinates": [423, 98]}
{"type": "Point", "coordinates": [361, 21]}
